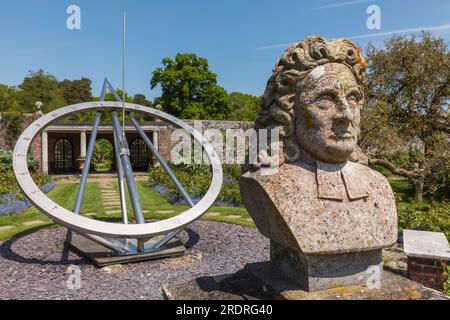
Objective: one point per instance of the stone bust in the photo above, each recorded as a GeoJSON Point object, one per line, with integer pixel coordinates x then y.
{"type": "Point", "coordinates": [319, 201]}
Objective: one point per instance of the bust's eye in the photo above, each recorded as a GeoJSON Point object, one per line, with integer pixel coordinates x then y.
{"type": "Point", "coordinates": [352, 99]}
{"type": "Point", "coordinates": [326, 97]}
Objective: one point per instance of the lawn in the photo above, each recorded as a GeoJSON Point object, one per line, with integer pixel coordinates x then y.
{"type": "Point", "coordinates": [152, 202]}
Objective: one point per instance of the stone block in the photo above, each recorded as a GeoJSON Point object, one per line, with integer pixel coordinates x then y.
{"type": "Point", "coordinates": [325, 271]}
{"type": "Point", "coordinates": [425, 246]}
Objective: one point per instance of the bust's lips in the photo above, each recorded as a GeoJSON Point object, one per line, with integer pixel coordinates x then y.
{"type": "Point", "coordinates": [343, 135]}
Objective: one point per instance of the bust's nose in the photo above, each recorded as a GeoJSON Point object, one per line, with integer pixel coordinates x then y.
{"type": "Point", "coordinates": [344, 113]}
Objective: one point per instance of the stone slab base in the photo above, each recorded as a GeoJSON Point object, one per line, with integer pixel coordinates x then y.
{"type": "Point", "coordinates": [103, 257]}
{"type": "Point", "coordinates": [260, 281]}
{"type": "Point", "coordinates": [325, 271]}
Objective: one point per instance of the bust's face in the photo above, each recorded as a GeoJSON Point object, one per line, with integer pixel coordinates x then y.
{"type": "Point", "coordinates": [327, 110]}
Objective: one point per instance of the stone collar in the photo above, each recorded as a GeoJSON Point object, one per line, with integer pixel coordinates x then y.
{"type": "Point", "coordinates": [337, 181]}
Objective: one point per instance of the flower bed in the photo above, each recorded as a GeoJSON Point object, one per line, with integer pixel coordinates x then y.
{"type": "Point", "coordinates": [11, 198]}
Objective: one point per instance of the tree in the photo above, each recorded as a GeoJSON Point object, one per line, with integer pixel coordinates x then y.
{"type": "Point", "coordinates": [40, 86]}
{"type": "Point", "coordinates": [405, 126]}
{"type": "Point", "coordinates": [77, 91]}
{"type": "Point", "coordinates": [141, 100]}
{"type": "Point", "coordinates": [189, 89]}
{"type": "Point", "coordinates": [103, 152]}
{"type": "Point", "coordinates": [8, 99]}
{"type": "Point", "coordinates": [110, 97]}
{"type": "Point", "coordinates": [244, 106]}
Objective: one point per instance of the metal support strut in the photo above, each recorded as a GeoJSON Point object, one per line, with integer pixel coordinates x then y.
{"type": "Point", "coordinates": [169, 172]}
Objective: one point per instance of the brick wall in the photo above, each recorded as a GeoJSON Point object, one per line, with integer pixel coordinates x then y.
{"type": "Point", "coordinates": [428, 272]}
{"type": "Point", "coordinates": [165, 136]}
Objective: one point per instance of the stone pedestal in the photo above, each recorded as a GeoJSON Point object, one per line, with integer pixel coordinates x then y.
{"type": "Point", "coordinates": [326, 271]}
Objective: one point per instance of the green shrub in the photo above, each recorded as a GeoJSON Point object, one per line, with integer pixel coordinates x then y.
{"type": "Point", "coordinates": [384, 171]}
{"type": "Point", "coordinates": [6, 158]}
{"type": "Point", "coordinates": [8, 183]}
{"type": "Point", "coordinates": [196, 180]}
{"type": "Point", "coordinates": [427, 217]}
{"type": "Point", "coordinates": [446, 279]}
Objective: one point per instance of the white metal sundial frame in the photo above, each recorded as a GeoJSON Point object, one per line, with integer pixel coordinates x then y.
{"type": "Point", "coordinates": [96, 229]}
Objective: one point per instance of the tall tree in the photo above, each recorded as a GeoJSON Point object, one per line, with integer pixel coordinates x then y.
{"type": "Point", "coordinates": [8, 99]}
{"type": "Point", "coordinates": [41, 86]}
{"type": "Point", "coordinates": [189, 88]}
{"type": "Point", "coordinates": [244, 106]}
{"type": "Point", "coordinates": [407, 109]}
{"type": "Point", "coordinates": [77, 91]}
{"type": "Point", "coordinates": [141, 100]}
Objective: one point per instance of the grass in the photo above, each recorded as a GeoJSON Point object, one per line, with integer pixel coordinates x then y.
{"type": "Point", "coordinates": [404, 189]}
{"type": "Point", "coordinates": [65, 195]}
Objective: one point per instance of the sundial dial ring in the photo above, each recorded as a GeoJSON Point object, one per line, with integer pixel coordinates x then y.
{"type": "Point", "coordinates": [85, 225]}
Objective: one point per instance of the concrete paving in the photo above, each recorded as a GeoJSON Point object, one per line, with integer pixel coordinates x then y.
{"type": "Point", "coordinates": [34, 223]}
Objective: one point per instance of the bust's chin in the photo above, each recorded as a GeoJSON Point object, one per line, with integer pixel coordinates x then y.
{"type": "Point", "coordinates": [336, 152]}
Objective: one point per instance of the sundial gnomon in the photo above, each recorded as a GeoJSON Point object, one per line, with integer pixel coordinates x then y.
{"type": "Point", "coordinates": [129, 238]}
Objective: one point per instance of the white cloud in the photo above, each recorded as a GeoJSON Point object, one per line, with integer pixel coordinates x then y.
{"type": "Point", "coordinates": [275, 46]}
{"type": "Point", "coordinates": [443, 27]}
{"type": "Point", "coordinates": [339, 4]}
{"type": "Point", "coordinates": [400, 31]}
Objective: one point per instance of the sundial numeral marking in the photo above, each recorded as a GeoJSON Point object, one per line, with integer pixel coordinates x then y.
{"type": "Point", "coordinates": [54, 115]}
{"type": "Point", "coordinates": [54, 208]}
{"type": "Point", "coordinates": [37, 125]}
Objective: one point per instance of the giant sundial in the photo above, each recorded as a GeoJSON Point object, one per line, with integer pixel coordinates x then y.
{"type": "Point", "coordinates": [124, 239]}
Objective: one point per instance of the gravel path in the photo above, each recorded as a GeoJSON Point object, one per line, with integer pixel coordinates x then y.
{"type": "Point", "coordinates": [36, 266]}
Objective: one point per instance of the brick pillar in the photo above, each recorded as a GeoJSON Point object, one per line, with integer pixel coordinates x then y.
{"type": "Point", "coordinates": [428, 272]}
{"type": "Point", "coordinates": [165, 144]}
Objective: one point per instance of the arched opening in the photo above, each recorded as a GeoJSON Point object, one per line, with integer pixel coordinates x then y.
{"type": "Point", "coordinates": [103, 159]}
{"type": "Point", "coordinates": [139, 155]}
{"type": "Point", "coordinates": [64, 157]}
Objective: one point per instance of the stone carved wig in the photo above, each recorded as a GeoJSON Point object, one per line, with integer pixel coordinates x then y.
{"type": "Point", "coordinates": [298, 61]}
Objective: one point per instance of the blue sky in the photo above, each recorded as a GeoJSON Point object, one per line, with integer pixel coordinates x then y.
{"type": "Point", "coordinates": [242, 39]}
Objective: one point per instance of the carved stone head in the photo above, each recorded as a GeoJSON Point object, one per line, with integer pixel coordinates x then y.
{"type": "Point", "coordinates": [314, 98]}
